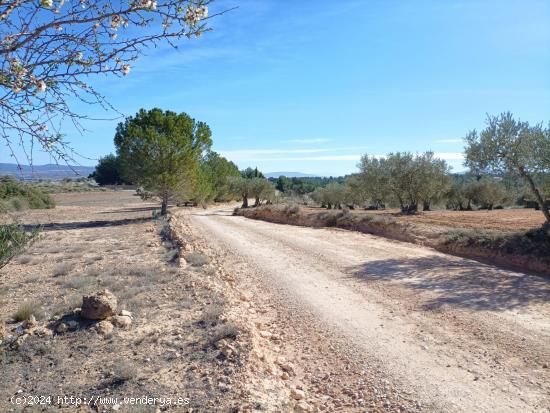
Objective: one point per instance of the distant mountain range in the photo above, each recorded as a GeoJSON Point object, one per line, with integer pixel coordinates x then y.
{"type": "Point", "coordinates": [49, 172]}
{"type": "Point", "coordinates": [58, 172]}
{"type": "Point", "coordinates": [289, 175]}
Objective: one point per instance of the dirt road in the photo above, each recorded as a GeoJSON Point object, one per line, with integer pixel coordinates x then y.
{"type": "Point", "coordinates": [452, 334]}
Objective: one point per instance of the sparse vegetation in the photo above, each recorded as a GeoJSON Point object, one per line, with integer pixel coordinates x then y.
{"type": "Point", "coordinates": [28, 309]}
{"type": "Point", "coordinates": [196, 259]}
{"type": "Point", "coordinates": [224, 331]}
{"type": "Point", "coordinates": [62, 269]}
{"type": "Point", "coordinates": [14, 240]}
{"type": "Point", "coordinates": [211, 315]}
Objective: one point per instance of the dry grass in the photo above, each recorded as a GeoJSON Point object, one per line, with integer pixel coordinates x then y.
{"type": "Point", "coordinates": [211, 315]}
{"type": "Point", "coordinates": [224, 331]}
{"type": "Point", "coordinates": [129, 260]}
{"type": "Point", "coordinates": [62, 269]}
{"type": "Point", "coordinates": [24, 259]}
{"type": "Point", "coordinates": [26, 310]}
{"type": "Point", "coordinates": [196, 259]}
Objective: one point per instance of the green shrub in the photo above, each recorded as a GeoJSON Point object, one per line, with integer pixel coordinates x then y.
{"type": "Point", "coordinates": [15, 195]}
{"type": "Point", "coordinates": [13, 240]}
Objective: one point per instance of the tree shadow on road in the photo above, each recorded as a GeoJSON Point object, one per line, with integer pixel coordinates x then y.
{"type": "Point", "coordinates": [460, 283]}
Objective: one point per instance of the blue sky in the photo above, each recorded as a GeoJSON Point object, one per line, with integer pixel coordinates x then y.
{"type": "Point", "coordinates": [311, 85]}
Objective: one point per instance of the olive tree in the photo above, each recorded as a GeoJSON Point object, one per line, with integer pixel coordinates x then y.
{"type": "Point", "coordinates": [260, 189]}
{"type": "Point", "coordinates": [356, 191]}
{"type": "Point", "coordinates": [406, 179]}
{"type": "Point", "coordinates": [240, 186]}
{"type": "Point", "coordinates": [507, 145]}
{"type": "Point", "coordinates": [433, 177]}
{"type": "Point", "coordinates": [161, 151]}
{"type": "Point", "coordinates": [51, 50]}
{"type": "Point", "coordinates": [374, 179]}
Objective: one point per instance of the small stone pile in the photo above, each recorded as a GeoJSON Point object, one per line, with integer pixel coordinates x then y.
{"type": "Point", "coordinates": [100, 307]}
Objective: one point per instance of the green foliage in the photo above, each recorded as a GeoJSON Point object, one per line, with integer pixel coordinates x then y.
{"type": "Point", "coordinates": [302, 186]}
{"type": "Point", "coordinates": [215, 171]}
{"type": "Point", "coordinates": [406, 179]}
{"type": "Point", "coordinates": [261, 189]}
{"type": "Point", "coordinates": [240, 186]}
{"type": "Point", "coordinates": [108, 171]}
{"type": "Point", "coordinates": [510, 146]}
{"type": "Point", "coordinates": [356, 193]}
{"type": "Point", "coordinates": [14, 240]}
{"type": "Point", "coordinates": [252, 173]}
{"type": "Point", "coordinates": [252, 183]}
{"type": "Point", "coordinates": [374, 177]}
{"type": "Point", "coordinates": [487, 192]}
{"type": "Point", "coordinates": [334, 194]}
{"type": "Point", "coordinates": [161, 151]}
{"type": "Point", "coordinates": [15, 195]}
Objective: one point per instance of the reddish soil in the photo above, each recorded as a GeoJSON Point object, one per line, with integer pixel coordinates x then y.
{"type": "Point", "coordinates": [500, 219]}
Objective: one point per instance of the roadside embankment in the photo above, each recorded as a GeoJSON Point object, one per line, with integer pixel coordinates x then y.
{"type": "Point", "coordinates": [523, 250]}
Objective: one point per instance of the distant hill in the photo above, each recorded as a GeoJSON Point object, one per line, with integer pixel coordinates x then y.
{"type": "Point", "coordinates": [289, 175]}
{"type": "Point", "coordinates": [48, 172]}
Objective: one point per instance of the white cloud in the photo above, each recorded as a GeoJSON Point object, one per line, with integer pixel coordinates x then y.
{"type": "Point", "coordinates": [449, 140]}
{"type": "Point", "coordinates": [305, 141]}
{"type": "Point", "coordinates": [355, 157]}
{"type": "Point", "coordinates": [254, 154]}
{"type": "Point", "coordinates": [450, 156]}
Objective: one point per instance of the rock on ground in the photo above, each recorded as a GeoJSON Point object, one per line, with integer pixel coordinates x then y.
{"type": "Point", "coordinates": [99, 306]}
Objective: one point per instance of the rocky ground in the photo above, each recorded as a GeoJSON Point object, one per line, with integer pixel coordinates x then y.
{"type": "Point", "coordinates": [375, 324]}
{"type": "Point", "coordinates": [172, 332]}
{"type": "Point", "coordinates": [220, 313]}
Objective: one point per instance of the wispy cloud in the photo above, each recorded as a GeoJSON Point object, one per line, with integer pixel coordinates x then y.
{"type": "Point", "coordinates": [354, 157]}
{"type": "Point", "coordinates": [306, 141]}
{"type": "Point", "coordinates": [450, 156]}
{"type": "Point", "coordinates": [255, 154]}
{"type": "Point", "coordinates": [449, 140]}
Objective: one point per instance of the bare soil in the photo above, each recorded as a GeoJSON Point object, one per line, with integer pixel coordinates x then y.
{"type": "Point", "coordinates": [499, 219]}
{"type": "Point", "coordinates": [376, 324]}
{"type": "Point", "coordinates": [255, 316]}
{"type": "Point", "coordinates": [183, 342]}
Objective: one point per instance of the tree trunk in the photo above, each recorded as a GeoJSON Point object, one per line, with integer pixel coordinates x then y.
{"type": "Point", "coordinates": [245, 202]}
{"type": "Point", "coordinates": [164, 205]}
{"type": "Point", "coordinates": [257, 203]}
{"type": "Point", "coordinates": [538, 196]}
{"type": "Point", "coordinates": [426, 206]}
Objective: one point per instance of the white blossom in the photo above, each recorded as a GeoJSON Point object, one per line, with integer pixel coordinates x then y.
{"type": "Point", "coordinates": [116, 21]}
{"type": "Point", "coordinates": [46, 3]}
{"type": "Point", "coordinates": [41, 86]}
{"type": "Point", "coordinates": [125, 69]}
{"type": "Point", "coordinates": [195, 14]}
